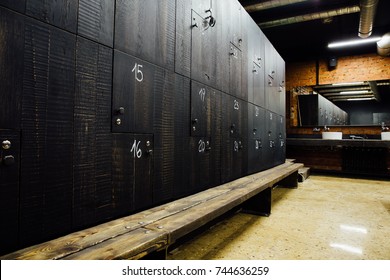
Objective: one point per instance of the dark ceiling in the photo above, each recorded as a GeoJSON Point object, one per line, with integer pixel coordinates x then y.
{"type": "Point", "coordinates": [309, 39]}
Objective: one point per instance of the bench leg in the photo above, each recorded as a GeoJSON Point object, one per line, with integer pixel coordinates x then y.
{"type": "Point", "coordinates": [290, 181]}
{"type": "Point", "coordinates": [157, 255]}
{"type": "Point", "coordinates": [260, 204]}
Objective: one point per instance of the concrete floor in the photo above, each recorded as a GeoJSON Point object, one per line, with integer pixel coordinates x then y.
{"type": "Point", "coordinates": [326, 218]}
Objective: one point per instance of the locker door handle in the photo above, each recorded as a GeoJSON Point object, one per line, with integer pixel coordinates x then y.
{"type": "Point", "coordinates": [8, 160]}
{"type": "Point", "coordinates": [149, 152]}
{"type": "Point", "coordinates": [6, 144]}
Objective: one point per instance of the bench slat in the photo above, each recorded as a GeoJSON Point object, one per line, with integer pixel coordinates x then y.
{"type": "Point", "coordinates": [126, 238]}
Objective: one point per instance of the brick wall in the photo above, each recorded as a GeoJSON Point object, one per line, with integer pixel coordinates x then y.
{"type": "Point", "coordinates": [349, 69]}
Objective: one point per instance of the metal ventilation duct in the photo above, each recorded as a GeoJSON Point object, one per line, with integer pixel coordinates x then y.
{"type": "Point", "coordinates": [367, 15]}
{"type": "Point", "coordinates": [270, 4]}
{"type": "Point", "coordinates": [383, 46]}
{"type": "Point", "coordinates": [308, 17]}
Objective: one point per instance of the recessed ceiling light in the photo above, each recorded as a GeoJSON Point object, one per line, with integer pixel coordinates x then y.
{"type": "Point", "coordinates": [353, 42]}
{"type": "Point", "coordinates": [348, 84]}
{"type": "Point", "coordinates": [353, 91]}
{"type": "Point", "coordinates": [360, 99]}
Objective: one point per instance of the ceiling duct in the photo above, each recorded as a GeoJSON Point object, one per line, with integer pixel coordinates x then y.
{"type": "Point", "coordinates": [270, 4]}
{"type": "Point", "coordinates": [308, 17]}
{"type": "Point", "coordinates": [367, 15]}
{"type": "Point", "coordinates": [383, 46]}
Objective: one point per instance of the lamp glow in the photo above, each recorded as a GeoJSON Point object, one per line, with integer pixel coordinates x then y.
{"type": "Point", "coordinates": [353, 42]}
{"type": "Point", "coordinates": [354, 92]}
{"type": "Point", "coordinates": [360, 99]}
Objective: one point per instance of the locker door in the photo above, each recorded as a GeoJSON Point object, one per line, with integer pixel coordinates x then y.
{"type": "Point", "coordinates": [203, 48]}
{"type": "Point", "coordinates": [281, 85]}
{"type": "Point", "coordinates": [132, 172]}
{"type": "Point", "coordinates": [256, 130]}
{"type": "Point", "coordinates": [271, 134]}
{"type": "Point", "coordinates": [280, 141]}
{"type": "Point", "coordinates": [62, 14]}
{"type": "Point", "coordinates": [235, 64]}
{"type": "Point", "coordinates": [270, 77]}
{"type": "Point", "coordinates": [9, 190]}
{"type": "Point", "coordinates": [133, 94]}
{"type": "Point", "coordinates": [201, 165]}
{"type": "Point", "coordinates": [234, 138]}
{"type": "Point", "coordinates": [200, 109]}
{"type": "Point", "coordinates": [101, 28]}
{"type": "Point", "coordinates": [145, 29]}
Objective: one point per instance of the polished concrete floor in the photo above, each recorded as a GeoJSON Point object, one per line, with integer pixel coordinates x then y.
{"type": "Point", "coordinates": [325, 218]}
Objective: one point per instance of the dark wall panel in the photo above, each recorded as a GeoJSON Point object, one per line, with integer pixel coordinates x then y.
{"type": "Point", "coordinates": [96, 20]}
{"type": "Point", "coordinates": [47, 132]}
{"type": "Point", "coordinates": [61, 13]}
{"type": "Point", "coordinates": [19, 5]}
{"type": "Point", "coordinates": [146, 29]}
{"type": "Point", "coordinates": [11, 68]}
{"type": "Point", "coordinates": [92, 144]}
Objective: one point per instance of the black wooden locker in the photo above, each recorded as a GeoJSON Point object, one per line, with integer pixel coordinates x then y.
{"type": "Point", "coordinates": [206, 136]}
{"type": "Point", "coordinates": [132, 172]}
{"type": "Point", "coordinates": [133, 94]}
{"type": "Point", "coordinates": [235, 73]}
{"type": "Point", "coordinates": [96, 20]}
{"type": "Point", "coordinates": [201, 172]}
{"type": "Point", "coordinates": [281, 85]}
{"type": "Point", "coordinates": [146, 29]}
{"type": "Point", "coordinates": [280, 155]}
{"type": "Point", "coordinates": [47, 133]}
{"type": "Point", "coordinates": [200, 109]}
{"type": "Point", "coordinates": [171, 138]}
{"type": "Point", "coordinates": [9, 190]}
{"type": "Point", "coordinates": [271, 135]}
{"type": "Point", "coordinates": [234, 138]}
{"type": "Point", "coordinates": [19, 6]}
{"type": "Point", "coordinates": [60, 13]}
{"type": "Point", "coordinates": [183, 38]}
{"type": "Point", "coordinates": [256, 139]}
{"type": "Point", "coordinates": [235, 23]}
{"type": "Point", "coordinates": [11, 68]}
{"type": "Point", "coordinates": [92, 199]}
{"type": "Point", "coordinates": [270, 78]}
{"type": "Point", "coordinates": [203, 49]}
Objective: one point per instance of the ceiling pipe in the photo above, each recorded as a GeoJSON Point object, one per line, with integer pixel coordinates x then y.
{"type": "Point", "coordinates": [270, 4]}
{"type": "Point", "coordinates": [309, 17]}
{"type": "Point", "coordinates": [367, 15]}
{"type": "Point", "coordinates": [383, 45]}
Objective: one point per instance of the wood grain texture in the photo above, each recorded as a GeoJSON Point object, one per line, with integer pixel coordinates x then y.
{"type": "Point", "coordinates": [135, 235]}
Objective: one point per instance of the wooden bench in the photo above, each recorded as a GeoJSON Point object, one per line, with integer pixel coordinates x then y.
{"type": "Point", "coordinates": [153, 230]}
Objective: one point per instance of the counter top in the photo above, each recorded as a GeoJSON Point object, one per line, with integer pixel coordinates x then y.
{"type": "Point", "coordinates": [343, 142]}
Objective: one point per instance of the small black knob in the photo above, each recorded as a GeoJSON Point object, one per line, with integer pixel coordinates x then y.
{"type": "Point", "coordinates": [8, 160]}
{"type": "Point", "coordinates": [121, 111]}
